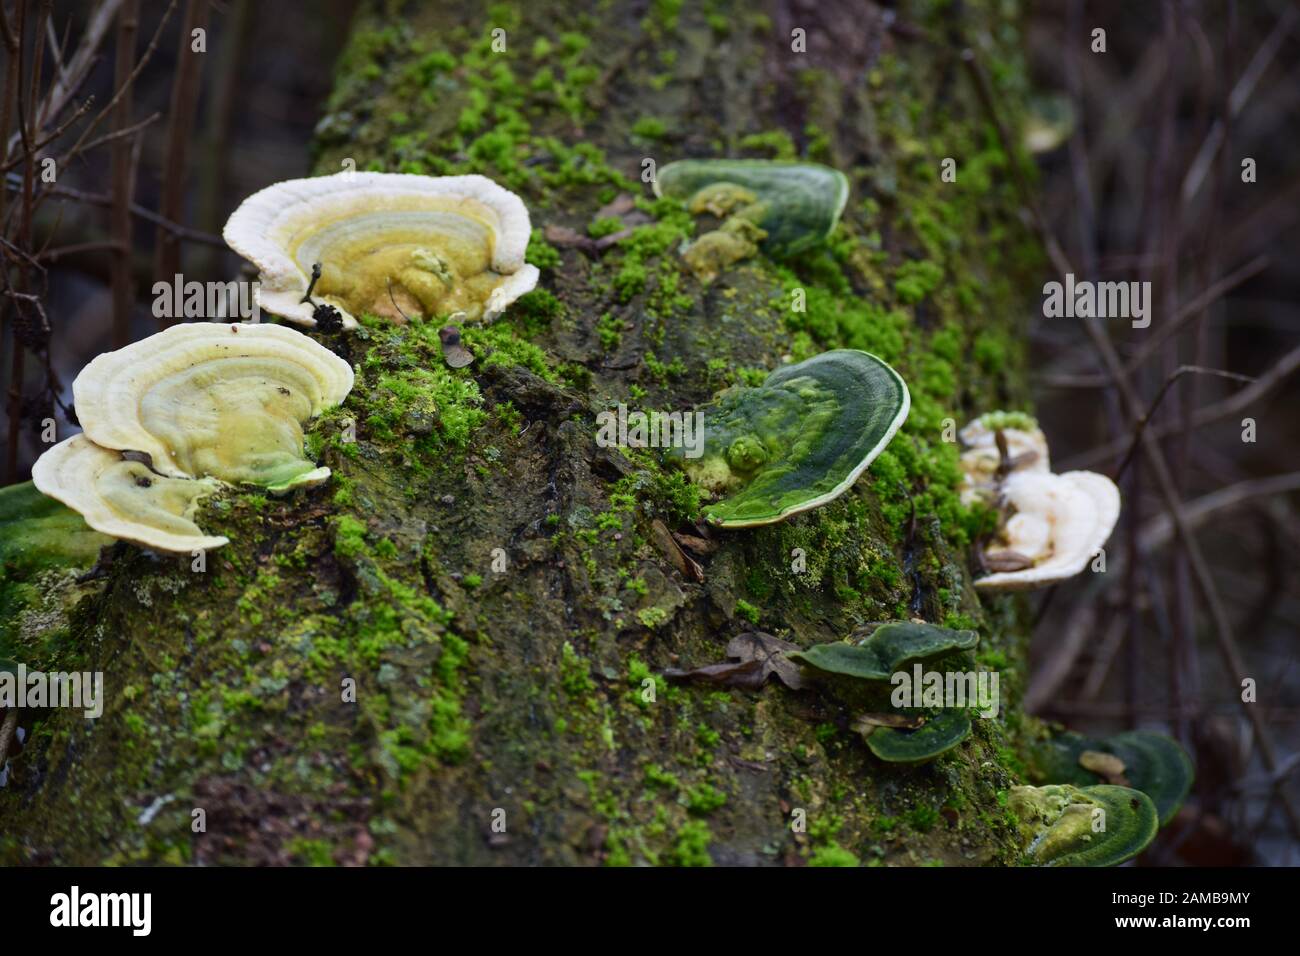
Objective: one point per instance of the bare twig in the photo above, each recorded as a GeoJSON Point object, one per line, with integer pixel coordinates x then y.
{"type": "Point", "coordinates": [1207, 415]}
{"type": "Point", "coordinates": [123, 88]}
{"type": "Point", "coordinates": [121, 174]}
{"type": "Point", "coordinates": [140, 212]}
{"type": "Point", "coordinates": [74, 73]}
{"type": "Point", "coordinates": [1185, 314]}
{"type": "Point", "coordinates": [1140, 426]}
{"type": "Point", "coordinates": [1159, 530]}
{"type": "Point", "coordinates": [180, 125]}
{"type": "Point", "coordinates": [1240, 96]}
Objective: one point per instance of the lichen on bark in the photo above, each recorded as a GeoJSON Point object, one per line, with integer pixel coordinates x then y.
{"type": "Point", "coordinates": [488, 576]}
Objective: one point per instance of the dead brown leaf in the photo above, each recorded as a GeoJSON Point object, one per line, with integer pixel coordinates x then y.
{"type": "Point", "coordinates": [1007, 561]}
{"type": "Point", "coordinates": [623, 202]}
{"type": "Point", "coordinates": [1107, 766]}
{"type": "Point", "coordinates": [701, 546]}
{"type": "Point", "coordinates": [667, 545]}
{"type": "Point", "coordinates": [568, 238]}
{"type": "Point", "coordinates": [758, 656]}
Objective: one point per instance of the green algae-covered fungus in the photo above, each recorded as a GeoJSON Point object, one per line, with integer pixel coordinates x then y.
{"type": "Point", "coordinates": [886, 650]}
{"type": "Point", "coordinates": [798, 440]}
{"type": "Point", "coordinates": [796, 204]}
{"type": "Point", "coordinates": [36, 531]}
{"type": "Point", "coordinates": [38, 534]}
{"type": "Point", "coordinates": [1153, 763]}
{"type": "Point", "coordinates": [1065, 825]}
{"type": "Point", "coordinates": [936, 736]}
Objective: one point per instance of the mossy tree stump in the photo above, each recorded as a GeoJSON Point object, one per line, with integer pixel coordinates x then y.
{"type": "Point", "coordinates": [488, 577]}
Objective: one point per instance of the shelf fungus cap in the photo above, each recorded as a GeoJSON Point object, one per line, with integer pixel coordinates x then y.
{"type": "Point", "coordinates": [797, 204]}
{"type": "Point", "coordinates": [124, 498]}
{"type": "Point", "coordinates": [1058, 524]}
{"type": "Point", "coordinates": [1065, 825]}
{"type": "Point", "coordinates": [207, 399]}
{"type": "Point", "coordinates": [390, 244]}
{"type": "Point", "coordinates": [886, 649]}
{"type": "Point", "coordinates": [799, 440]}
{"type": "Point", "coordinates": [1151, 762]}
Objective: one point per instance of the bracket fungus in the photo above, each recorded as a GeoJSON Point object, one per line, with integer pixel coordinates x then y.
{"type": "Point", "coordinates": [389, 244]}
{"type": "Point", "coordinates": [1057, 524]}
{"type": "Point", "coordinates": [123, 497]}
{"type": "Point", "coordinates": [1064, 825]}
{"type": "Point", "coordinates": [797, 441]}
{"type": "Point", "coordinates": [1153, 763]}
{"type": "Point", "coordinates": [887, 649]}
{"type": "Point", "coordinates": [876, 654]}
{"type": "Point", "coordinates": [933, 738]}
{"type": "Point", "coordinates": [204, 399]}
{"type": "Point", "coordinates": [796, 204]}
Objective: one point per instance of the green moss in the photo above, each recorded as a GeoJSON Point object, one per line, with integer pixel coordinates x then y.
{"type": "Point", "coordinates": [604, 227]}
{"type": "Point", "coordinates": [832, 855]}
{"type": "Point", "coordinates": [691, 845]}
{"type": "Point", "coordinates": [704, 799]}
{"type": "Point", "coordinates": [652, 617]}
{"type": "Point", "coordinates": [649, 127]}
{"type": "Point", "coordinates": [349, 537]}
{"type": "Point", "coordinates": [772, 144]}
{"type": "Point", "coordinates": [916, 279]}
{"type": "Point", "coordinates": [541, 253]}
{"type": "Point", "coordinates": [923, 818]}
{"type": "Point", "coordinates": [575, 673]}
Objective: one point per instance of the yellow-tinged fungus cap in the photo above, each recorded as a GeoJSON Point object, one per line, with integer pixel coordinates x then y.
{"type": "Point", "coordinates": [214, 400]}
{"type": "Point", "coordinates": [124, 498]}
{"type": "Point", "coordinates": [390, 244]}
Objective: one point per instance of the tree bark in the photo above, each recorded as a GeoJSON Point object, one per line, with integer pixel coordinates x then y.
{"type": "Point", "coordinates": [496, 586]}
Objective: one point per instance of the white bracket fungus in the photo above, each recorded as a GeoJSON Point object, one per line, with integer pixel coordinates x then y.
{"type": "Point", "coordinates": [1059, 522]}
{"type": "Point", "coordinates": [982, 460]}
{"type": "Point", "coordinates": [390, 244]}
{"type": "Point", "coordinates": [195, 406]}
{"type": "Point", "coordinates": [124, 498]}
{"type": "Point", "coordinates": [205, 399]}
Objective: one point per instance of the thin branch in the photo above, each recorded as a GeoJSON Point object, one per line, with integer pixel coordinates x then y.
{"type": "Point", "coordinates": [120, 133]}
{"type": "Point", "coordinates": [1178, 373]}
{"type": "Point", "coordinates": [123, 89]}
{"type": "Point", "coordinates": [1206, 415]}
{"type": "Point", "coordinates": [180, 126]}
{"type": "Point", "coordinates": [1240, 96]}
{"type": "Point", "coordinates": [1159, 530]}
{"type": "Point", "coordinates": [1185, 314]}
{"type": "Point", "coordinates": [141, 212]}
